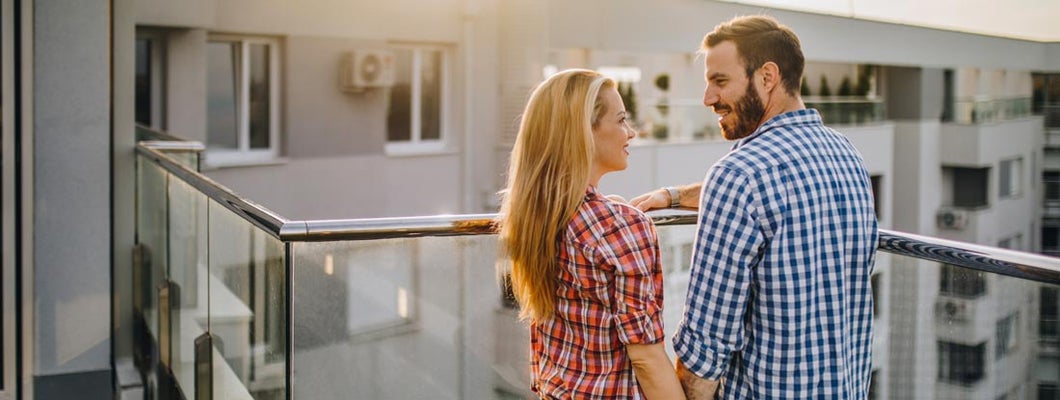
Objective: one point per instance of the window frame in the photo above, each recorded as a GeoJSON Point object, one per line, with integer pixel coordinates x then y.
{"type": "Point", "coordinates": [1015, 178]}
{"type": "Point", "coordinates": [416, 145]}
{"type": "Point", "coordinates": [243, 154]}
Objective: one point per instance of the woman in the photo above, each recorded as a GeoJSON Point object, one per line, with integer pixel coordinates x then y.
{"type": "Point", "coordinates": [584, 269]}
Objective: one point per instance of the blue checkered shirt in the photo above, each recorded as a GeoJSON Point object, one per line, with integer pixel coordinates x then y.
{"type": "Point", "coordinates": [779, 301]}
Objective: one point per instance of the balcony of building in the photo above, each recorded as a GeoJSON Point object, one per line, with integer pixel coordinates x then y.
{"type": "Point", "coordinates": [235, 301]}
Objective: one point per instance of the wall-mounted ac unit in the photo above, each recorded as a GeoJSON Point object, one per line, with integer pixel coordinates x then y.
{"type": "Point", "coordinates": [950, 309]}
{"type": "Point", "coordinates": [363, 69]}
{"type": "Point", "coordinates": [948, 218]}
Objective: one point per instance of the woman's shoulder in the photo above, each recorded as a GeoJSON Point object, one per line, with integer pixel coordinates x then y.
{"type": "Point", "coordinates": [611, 214]}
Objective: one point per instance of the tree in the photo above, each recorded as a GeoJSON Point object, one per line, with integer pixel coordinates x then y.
{"type": "Point", "coordinates": [625, 90]}
{"type": "Point", "coordinates": [846, 89]}
{"type": "Point", "coordinates": [824, 91]}
{"type": "Point", "coordinates": [804, 89]}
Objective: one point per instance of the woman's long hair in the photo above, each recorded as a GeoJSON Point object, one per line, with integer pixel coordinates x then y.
{"type": "Point", "coordinates": [547, 177]}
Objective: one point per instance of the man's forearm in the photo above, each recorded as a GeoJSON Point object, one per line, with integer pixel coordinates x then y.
{"type": "Point", "coordinates": [688, 195]}
{"type": "Point", "coordinates": [696, 388]}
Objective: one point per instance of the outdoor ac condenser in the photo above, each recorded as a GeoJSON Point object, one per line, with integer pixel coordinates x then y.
{"type": "Point", "coordinates": [948, 218]}
{"type": "Point", "coordinates": [363, 69]}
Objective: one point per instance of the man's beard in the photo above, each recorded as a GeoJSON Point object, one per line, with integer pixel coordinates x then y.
{"type": "Point", "coordinates": [749, 111]}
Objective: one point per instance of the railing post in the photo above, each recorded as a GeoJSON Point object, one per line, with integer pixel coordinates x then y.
{"type": "Point", "coordinates": [204, 367]}
{"type": "Point", "coordinates": [168, 296]}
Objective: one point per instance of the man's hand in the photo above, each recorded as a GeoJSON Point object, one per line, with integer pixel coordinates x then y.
{"type": "Point", "coordinates": [655, 199]}
{"type": "Point", "coordinates": [696, 388]}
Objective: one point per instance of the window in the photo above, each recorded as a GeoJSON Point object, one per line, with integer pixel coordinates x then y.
{"type": "Point", "coordinates": [877, 180]}
{"type": "Point", "coordinates": [875, 281]}
{"type": "Point", "coordinates": [416, 113]}
{"type": "Point", "coordinates": [242, 100]}
{"type": "Point", "coordinates": [1051, 236]}
{"type": "Point", "coordinates": [1006, 335]}
{"type": "Point", "coordinates": [969, 186]}
{"type": "Point", "coordinates": [1009, 178]}
{"type": "Point", "coordinates": [960, 364]}
{"type": "Point", "coordinates": [1048, 391]}
{"type": "Point", "coordinates": [149, 67]}
{"type": "Point", "coordinates": [1048, 313]}
{"type": "Point", "coordinates": [874, 391]}
{"type": "Point", "coordinates": [1051, 179]}
{"type": "Point", "coordinates": [961, 282]}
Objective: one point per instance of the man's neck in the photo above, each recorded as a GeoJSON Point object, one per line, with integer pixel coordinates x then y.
{"type": "Point", "coordinates": [780, 104]}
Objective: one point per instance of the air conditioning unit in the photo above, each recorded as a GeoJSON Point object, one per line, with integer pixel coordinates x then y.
{"type": "Point", "coordinates": [949, 309]}
{"type": "Point", "coordinates": [363, 69]}
{"type": "Point", "coordinates": [948, 218]}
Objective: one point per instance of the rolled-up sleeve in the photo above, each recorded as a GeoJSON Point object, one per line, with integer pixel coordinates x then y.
{"type": "Point", "coordinates": [726, 247]}
{"type": "Point", "coordinates": [630, 247]}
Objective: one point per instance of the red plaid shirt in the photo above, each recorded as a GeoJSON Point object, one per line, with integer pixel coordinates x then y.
{"type": "Point", "coordinates": [610, 294]}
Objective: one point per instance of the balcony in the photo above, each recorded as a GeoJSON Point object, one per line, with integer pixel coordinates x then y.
{"type": "Point", "coordinates": [985, 110]}
{"type": "Point", "coordinates": [233, 299]}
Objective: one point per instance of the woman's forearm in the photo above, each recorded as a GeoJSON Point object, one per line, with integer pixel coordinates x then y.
{"type": "Point", "coordinates": [654, 372]}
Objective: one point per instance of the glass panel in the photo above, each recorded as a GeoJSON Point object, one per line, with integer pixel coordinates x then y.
{"type": "Point", "coordinates": [431, 95]}
{"type": "Point", "coordinates": [381, 314]}
{"type": "Point", "coordinates": [187, 271]}
{"type": "Point", "coordinates": [260, 96]}
{"type": "Point", "coordinates": [399, 112]}
{"type": "Point", "coordinates": [152, 234]}
{"type": "Point", "coordinates": [247, 297]}
{"type": "Point", "coordinates": [222, 83]}
{"type": "Point", "coordinates": [143, 81]}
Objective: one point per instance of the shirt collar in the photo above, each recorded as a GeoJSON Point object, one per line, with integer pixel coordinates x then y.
{"type": "Point", "coordinates": [801, 116]}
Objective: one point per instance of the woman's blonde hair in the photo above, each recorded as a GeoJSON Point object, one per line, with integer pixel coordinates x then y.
{"type": "Point", "coordinates": [547, 177]}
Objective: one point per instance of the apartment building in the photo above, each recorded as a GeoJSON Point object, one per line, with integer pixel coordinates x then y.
{"type": "Point", "coordinates": [325, 110]}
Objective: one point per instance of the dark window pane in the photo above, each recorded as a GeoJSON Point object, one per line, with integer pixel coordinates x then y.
{"type": "Point", "coordinates": [431, 99]}
{"type": "Point", "coordinates": [1050, 238]}
{"type": "Point", "coordinates": [1047, 313]}
{"type": "Point", "coordinates": [875, 281]}
{"type": "Point", "coordinates": [143, 81]}
{"type": "Point", "coordinates": [1052, 185]}
{"type": "Point", "coordinates": [222, 61]}
{"type": "Point", "coordinates": [962, 282]}
{"type": "Point", "coordinates": [259, 96]}
{"type": "Point", "coordinates": [969, 187]}
{"type": "Point", "coordinates": [399, 114]}
{"type": "Point", "coordinates": [1048, 391]}
{"type": "Point", "coordinates": [960, 364]}
{"type": "Point", "coordinates": [877, 180]}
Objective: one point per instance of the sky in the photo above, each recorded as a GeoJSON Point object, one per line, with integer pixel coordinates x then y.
{"type": "Point", "coordinates": [1021, 19]}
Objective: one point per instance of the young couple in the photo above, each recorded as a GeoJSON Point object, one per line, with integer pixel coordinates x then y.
{"type": "Point", "coordinates": [779, 303]}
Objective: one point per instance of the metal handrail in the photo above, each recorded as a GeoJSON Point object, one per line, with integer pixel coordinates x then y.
{"type": "Point", "coordinates": [978, 257]}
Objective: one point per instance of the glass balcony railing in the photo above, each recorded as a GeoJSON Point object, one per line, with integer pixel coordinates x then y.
{"type": "Point", "coordinates": [847, 110]}
{"type": "Point", "coordinates": [238, 302]}
{"type": "Point", "coordinates": [987, 110]}
{"type": "Point", "coordinates": [687, 120]}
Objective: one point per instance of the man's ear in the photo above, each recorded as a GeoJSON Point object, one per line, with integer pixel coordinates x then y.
{"type": "Point", "coordinates": [769, 74]}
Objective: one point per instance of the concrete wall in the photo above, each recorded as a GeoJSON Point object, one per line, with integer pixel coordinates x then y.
{"type": "Point", "coordinates": [71, 193]}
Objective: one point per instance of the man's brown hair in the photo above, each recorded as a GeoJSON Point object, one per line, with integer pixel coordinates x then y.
{"type": "Point", "coordinates": [760, 39]}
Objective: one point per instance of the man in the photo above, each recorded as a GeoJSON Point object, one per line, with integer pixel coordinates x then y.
{"type": "Point", "coordinates": [779, 304]}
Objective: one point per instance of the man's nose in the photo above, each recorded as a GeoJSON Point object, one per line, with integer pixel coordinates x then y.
{"type": "Point", "coordinates": [709, 98]}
